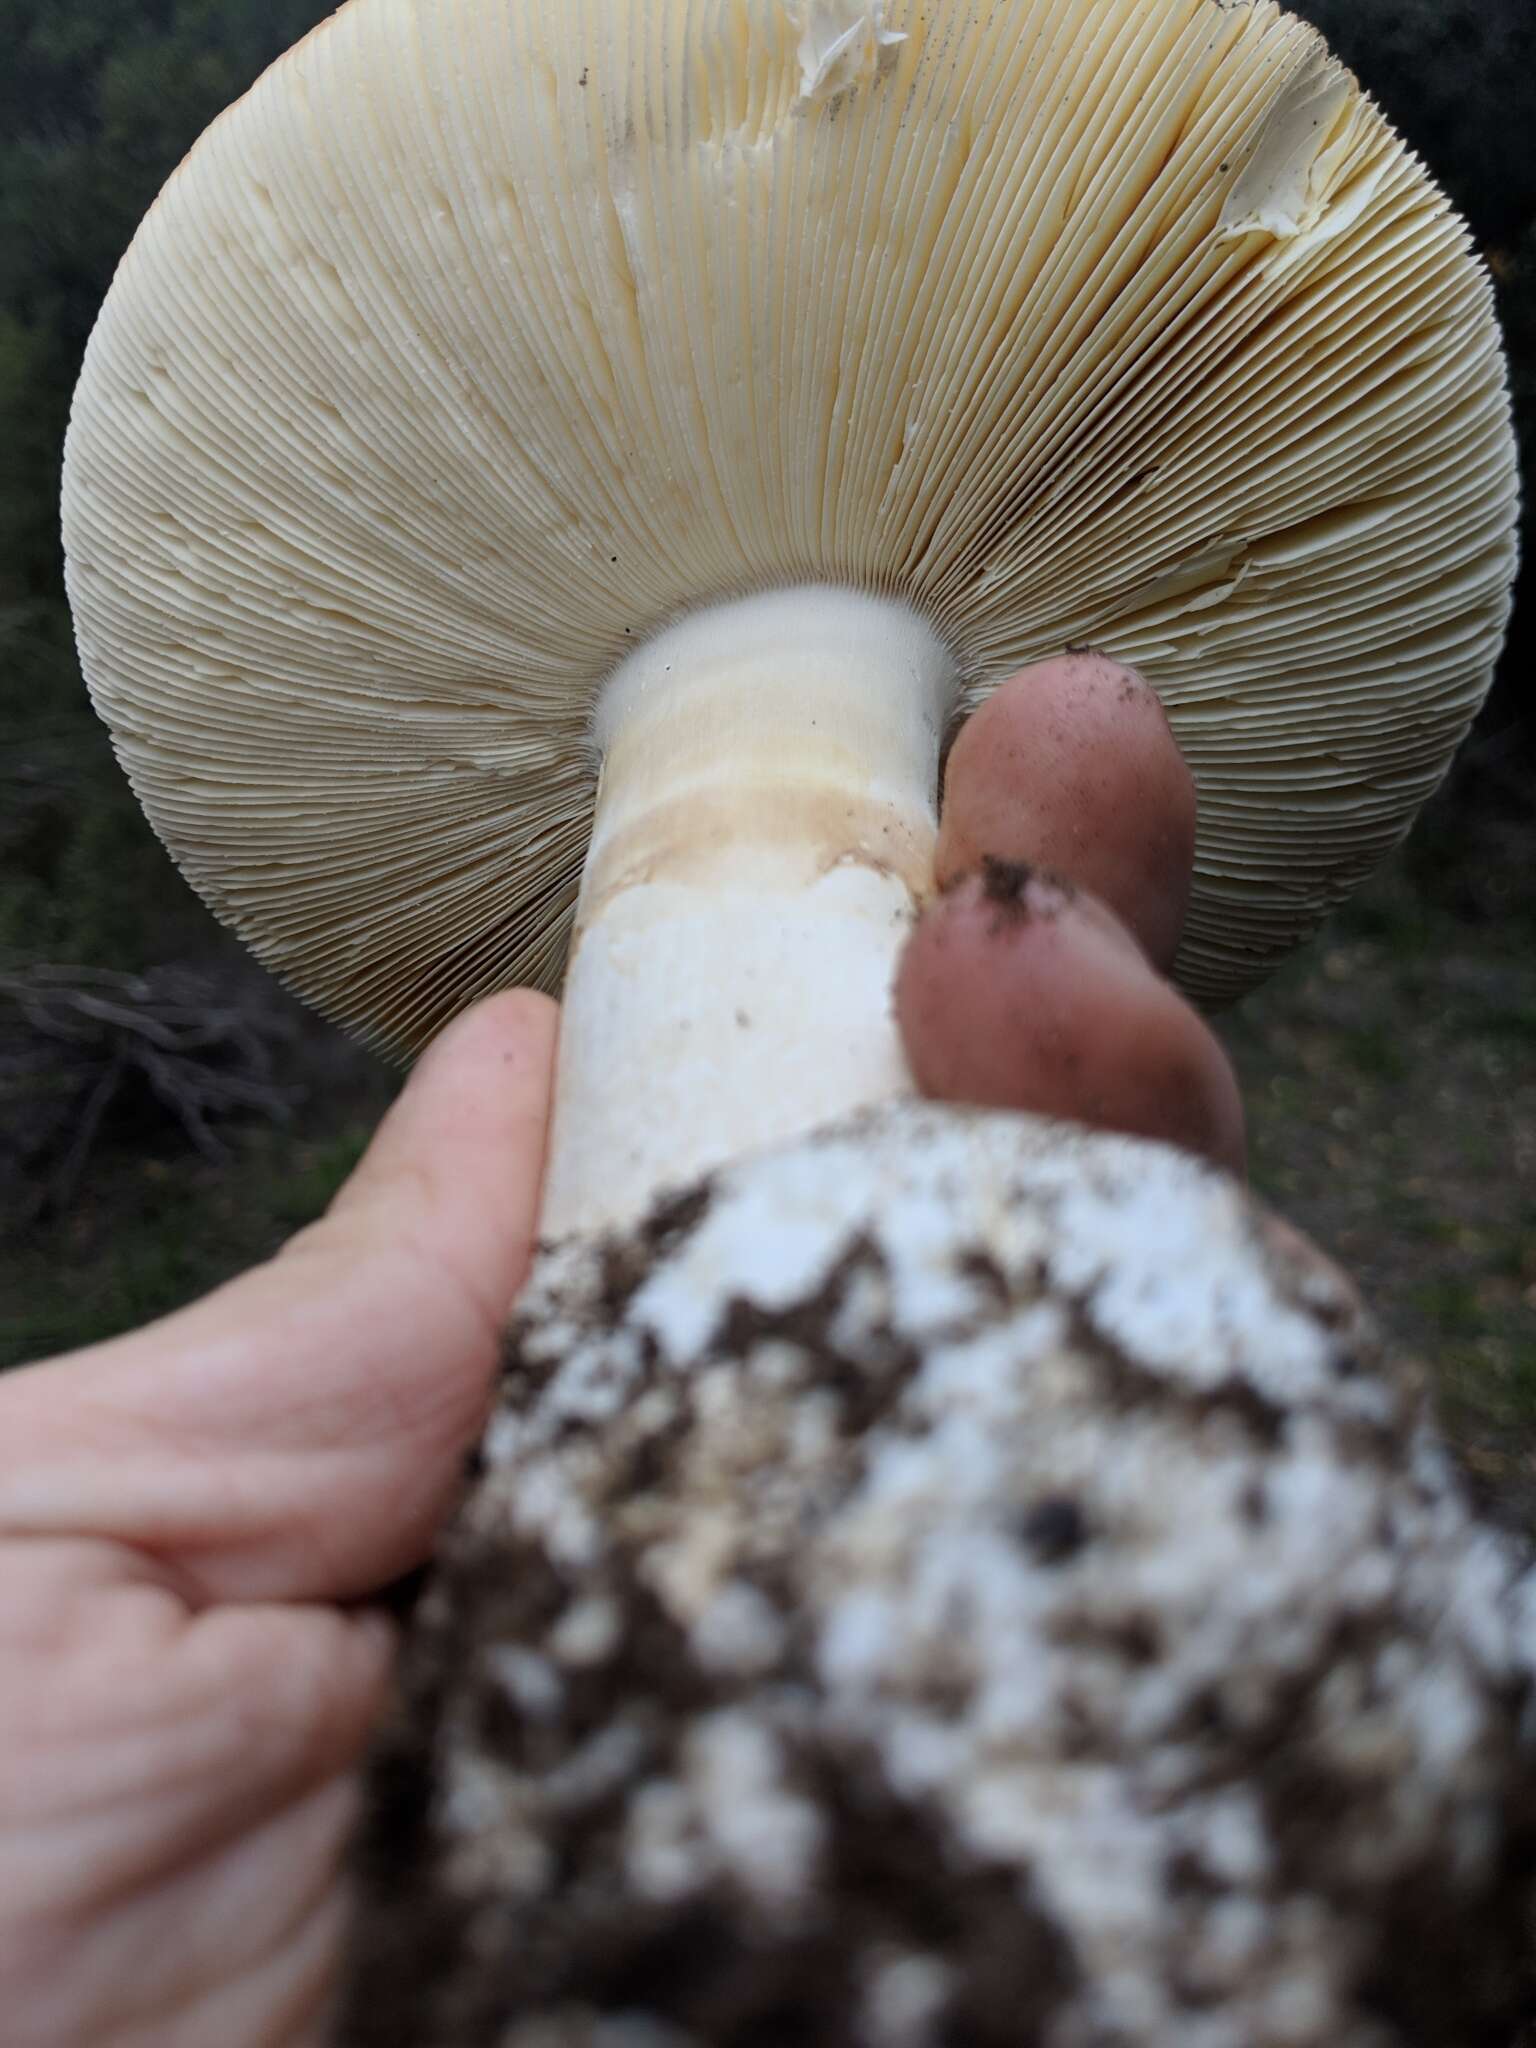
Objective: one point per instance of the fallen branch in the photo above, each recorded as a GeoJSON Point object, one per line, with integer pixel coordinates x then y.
{"type": "Point", "coordinates": [77, 1043]}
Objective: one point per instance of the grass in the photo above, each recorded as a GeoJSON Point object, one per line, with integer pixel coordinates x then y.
{"type": "Point", "coordinates": [1390, 1074]}
{"type": "Point", "coordinates": [151, 1233]}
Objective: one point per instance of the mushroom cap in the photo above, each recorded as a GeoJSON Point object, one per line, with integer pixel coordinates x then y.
{"type": "Point", "coordinates": [477, 342]}
{"type": "Point", "coordinates": [956, 1578]}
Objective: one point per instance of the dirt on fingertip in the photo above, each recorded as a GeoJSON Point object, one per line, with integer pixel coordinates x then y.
{"type": "Point", "coordinates": [1005, 884]}
{"type": "Point", "coordinates": [1019, 891]}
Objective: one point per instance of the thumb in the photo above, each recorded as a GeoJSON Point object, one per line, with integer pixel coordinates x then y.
{"type": "Point", "coordinates": [295, 1435]}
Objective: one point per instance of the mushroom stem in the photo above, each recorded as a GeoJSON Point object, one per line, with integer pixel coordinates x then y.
{"type": "Point", "coordinates": [765, 829]}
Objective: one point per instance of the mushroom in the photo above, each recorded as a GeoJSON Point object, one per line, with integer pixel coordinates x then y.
{"type": "Point", "coordinates": [635, 431]}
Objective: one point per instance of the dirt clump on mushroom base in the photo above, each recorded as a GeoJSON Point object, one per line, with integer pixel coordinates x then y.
{"type": "Point", "coordinates": [955, 1580]}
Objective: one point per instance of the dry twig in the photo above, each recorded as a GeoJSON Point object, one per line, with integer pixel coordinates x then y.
{"type": "Point", "coordinates": [79, 1042]}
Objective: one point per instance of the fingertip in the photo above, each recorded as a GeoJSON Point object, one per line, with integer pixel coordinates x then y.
{"type": "Point", "coordinates": [1018, 991]}
{"type": "Point", "coordinates": [511, 1016]}
{"type": "Point", "coordinates": [515, 1028]}
{"type": "Point", "coordinates": [1071, 765]}
{"type": "Point", "coordinates": [474, 1110]}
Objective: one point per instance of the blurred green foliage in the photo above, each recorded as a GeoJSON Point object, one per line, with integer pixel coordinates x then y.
{"type": "Point", "coordinates": [1458, 77]}
{"type": "Point", "coordinates": [98, 103]}
{"type": "Point", "coordinates": [158, 1230]}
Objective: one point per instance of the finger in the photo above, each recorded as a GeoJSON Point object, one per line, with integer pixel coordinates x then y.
{"type": "Point", "coordinates": [1071, 766]}
{"type": "Point", "coordinates": [1018, 992]}
{"type": "Point", "coordinates": [175, 1792]}
{"type": "Point", "coordinates": [296, 1434]}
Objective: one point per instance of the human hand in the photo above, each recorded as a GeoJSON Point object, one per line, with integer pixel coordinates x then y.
{"type": "Point", "coordinates": [189, 1517]}
{"type": "Point", "coordinates": [192, 1515]}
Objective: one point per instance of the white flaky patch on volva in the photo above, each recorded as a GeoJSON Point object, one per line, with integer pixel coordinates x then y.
{"type": "Point", "coordinates": [739, 1630]}
{"type": "Point", "coordinates": [904, 2000]}
{"type": "Point", "coordinates": [728, 1815]}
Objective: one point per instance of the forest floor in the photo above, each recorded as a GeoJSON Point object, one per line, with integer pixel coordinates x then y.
{"type": "Point", "coordinates": [1390, 1073]}
{"type": "Point", "coordinates": [1390, 1076]}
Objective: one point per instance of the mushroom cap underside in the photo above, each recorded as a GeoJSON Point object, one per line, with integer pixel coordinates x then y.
{"type": "Point", "coordinates": [474, 344]}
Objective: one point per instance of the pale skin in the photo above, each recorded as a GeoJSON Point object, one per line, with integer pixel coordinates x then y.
{"type": "Point", "coordinates": [195, 1517]}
